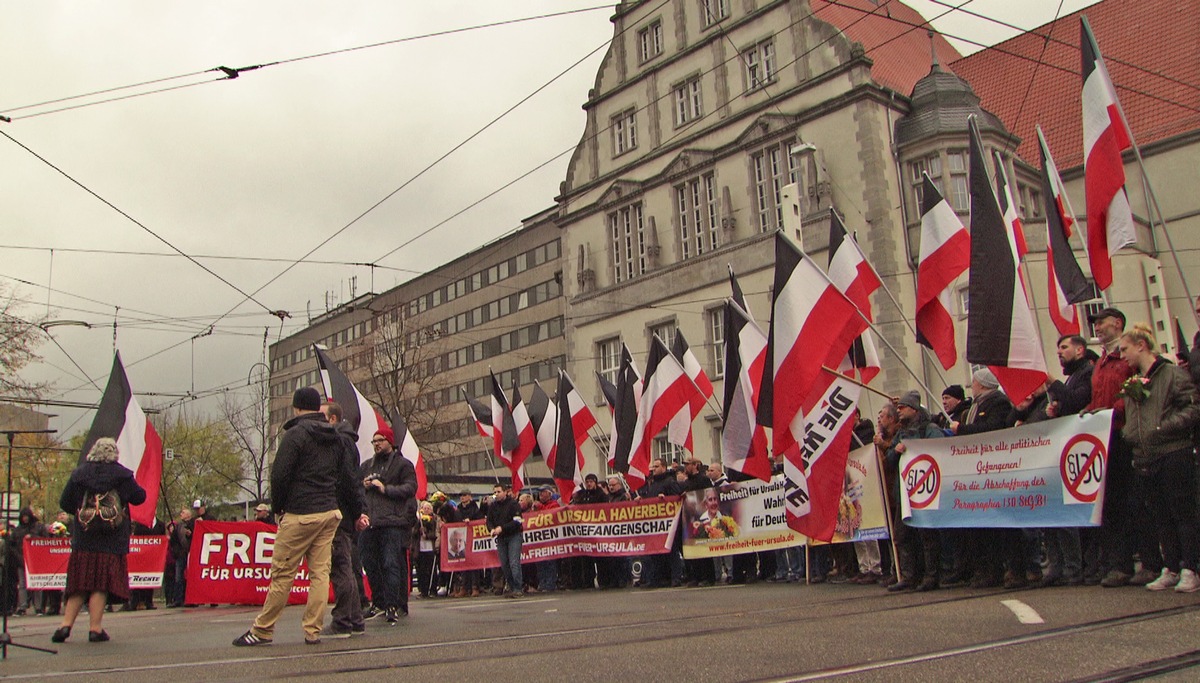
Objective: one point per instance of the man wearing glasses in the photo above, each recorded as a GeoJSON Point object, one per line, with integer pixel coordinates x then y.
{"type": "Point", "coordinates": [391, 487]}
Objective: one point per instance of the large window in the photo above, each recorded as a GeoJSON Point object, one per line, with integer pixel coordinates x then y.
{"type": "Point", "coordinates": [760, 64]}
{"type": "Point", "coordinates": [696, 211]}
{"type": "Point", "coordinates": [665, 331]}
{"type": "Point", "coordinates": [667, 451]}
{"type": "Point", "coordinates": [688, 106]}
{"type": "Point", "coordinates": [716, 331]}
{"type": "Point", "coordinates": [650, 41]}
{"type": "Point", "coordinates": [773, 168]}
{"type": "Point", "coordinates": [624, 131]}
{"type": "Point", "coordinates": [960, 195]}
{"type": "Point", "coordinates": [628, 244]}
{"type": "Point", "coordinates": [713, 11]}
{"type": "Point", "coordinates": [608, 358]}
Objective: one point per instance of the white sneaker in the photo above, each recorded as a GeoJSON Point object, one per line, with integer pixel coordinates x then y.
{"type": "Point", "coordinates": [1189, 582]}
{"type": "Point", "coordinates": [1167, 579]}
{"type": "Point", "coordinates": [441, 592]}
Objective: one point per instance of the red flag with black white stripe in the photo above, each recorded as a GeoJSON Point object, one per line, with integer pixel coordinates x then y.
{"type": "Point", "coordinates": [119, 417]}
{"type": "Point", "coordinates": [575, 419]}
{"type": "Point", "coordinates": [407, 446]}
{"type": "Point", "coordinates": [1105, 136]}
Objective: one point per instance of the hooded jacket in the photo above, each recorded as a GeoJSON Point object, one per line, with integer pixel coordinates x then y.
{"type": "Point", "coordinates": [311, 473]}
{"type": "Point", "coordinates": [101, 477]}
{"type": "Point", "coordinates": [355, 504]}
{"type": "Point", "coordinates": [28, 524]}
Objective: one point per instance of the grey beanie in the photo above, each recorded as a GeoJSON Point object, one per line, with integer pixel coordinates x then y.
{"type": "Point", "coordinates": [986, 378]}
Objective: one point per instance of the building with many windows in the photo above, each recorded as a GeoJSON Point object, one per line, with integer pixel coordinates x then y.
{"type": "Point", "coordinates": [421, 346]}
{"type": "Point", "coordinates": [702, 112]}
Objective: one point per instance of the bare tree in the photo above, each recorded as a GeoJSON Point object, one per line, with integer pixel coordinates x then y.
{"type": "Point", "coordinates": [406, 366]}
{"type": "Point", "coordinates": [249, 425]}
{"type": "Point", "coordinates": [207, 463]}
{"type": "Point", "coordinates": [19, 338]}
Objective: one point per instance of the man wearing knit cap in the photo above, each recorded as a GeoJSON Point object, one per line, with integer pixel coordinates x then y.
{"type": "Point", "coordinates": [918, 550]}
{"type": "Point", "coordinates": [308, 479]}
{"type": "Point", "coordinates": [390, 482]}
{"type": "Point", "coordinates": [955, 402]}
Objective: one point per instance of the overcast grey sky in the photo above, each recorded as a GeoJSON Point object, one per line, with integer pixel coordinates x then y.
{"type": "Point", "coordinates": [273, 163]}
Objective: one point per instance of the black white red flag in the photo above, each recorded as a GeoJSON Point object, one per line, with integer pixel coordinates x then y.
{"type": "Point", "coordinates": [744, 445]}
{"type": "Point", "coordinates": [356, 409]}
{"type": "Point", "coordinates": [525, 434]}
{"type": "Point", "coordinates": [1008, 205]}
{"type": "Point", "coordinates": [1067, 284]}
{"type": "Point", "coordinates": [575, 420]}
{"type": "Point", "coordinates": [407, 446]}
{"type": "Point", "coordinates": [609, 390]}
{"type": "Point", "coordinates": [1105, 136]}
{"type": "Point", "coordinates": [853, 275]}
{"type": "Point", "coordinates": [812, 327]}
{"type": "Point", "coordinates": [679, 432]}
{"type": "Point", "coordinates": [506, 440]}
{"type": "Point", "coordinates": [481, 415]}
{"type": "Point", "coordinates": [625, 420]}
{"type": "Point", "coordinates": [1000, 329]}
{"type": "Point", "coordinates": [945, 254]}
{"type": "Point", "coordinates": [544, 416]}
{"type": "Point", "coordinates": [666, 389]}
{"type": "Point", "coordinates": [120, 418]}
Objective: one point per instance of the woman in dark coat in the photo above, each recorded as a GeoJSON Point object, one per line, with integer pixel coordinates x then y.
{"type": "Point", "coordinates": [97, 565]}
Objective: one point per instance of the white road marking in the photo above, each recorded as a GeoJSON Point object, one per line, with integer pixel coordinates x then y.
{"type": "Point", "coordinates": [1025, 614]}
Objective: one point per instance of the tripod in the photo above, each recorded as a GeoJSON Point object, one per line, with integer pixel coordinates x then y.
{"type": "Point", "coordinates": [6, 640]}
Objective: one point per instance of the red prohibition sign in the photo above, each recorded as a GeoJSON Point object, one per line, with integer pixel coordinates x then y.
{"type": "Point", "coordinates": [1074, 483]}
{"type": "Point", "coordinates": [931, 472]}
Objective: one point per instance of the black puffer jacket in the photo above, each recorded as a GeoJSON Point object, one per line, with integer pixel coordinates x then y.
{"type": "Point", "coordinates": [396, 505]}
{"type": "Point", "coordinates": [101, 477]}
{"type": "Point", "coordinates": [311, 473]}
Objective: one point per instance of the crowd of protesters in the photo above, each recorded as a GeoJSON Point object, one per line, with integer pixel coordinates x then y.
{"type": "Point", "coordinates": [1148, 536]}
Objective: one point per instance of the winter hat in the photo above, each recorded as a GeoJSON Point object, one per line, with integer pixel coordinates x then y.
{"type": "Point", "coordinates": [986, 379]}
{"type": "Point", "coordinates": [306, 398]}
{"type": "Point", "coordinates": [912, 399]}
{"type": "Point", "coordinates": [955, 391]}
{"type": "Point", "coordinates": [386, 432]}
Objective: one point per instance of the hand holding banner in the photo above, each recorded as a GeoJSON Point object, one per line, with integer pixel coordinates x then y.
{"type": "Point", "coordinates": [1046, 474]}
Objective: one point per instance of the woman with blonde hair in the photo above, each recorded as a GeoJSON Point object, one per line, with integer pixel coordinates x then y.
{"type": "Point", "coordinates": [99, 494]}
{"type": "Point", "coordinates": [1162, 410]}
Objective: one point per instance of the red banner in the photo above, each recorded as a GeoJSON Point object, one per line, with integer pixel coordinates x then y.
{"type": "Point", "coordinates": [230, 563]}
{"type": "Point", "coordinates": [46, 562]}
{"type": "Point", "coordinates": [638, 527]}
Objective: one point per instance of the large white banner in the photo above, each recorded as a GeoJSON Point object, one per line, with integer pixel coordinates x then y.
{"type": "Point", "coordinates": [1046, 474]}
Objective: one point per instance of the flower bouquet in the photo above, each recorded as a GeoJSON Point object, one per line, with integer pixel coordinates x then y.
{"type": "Point", "coordinates": [1136, 388]}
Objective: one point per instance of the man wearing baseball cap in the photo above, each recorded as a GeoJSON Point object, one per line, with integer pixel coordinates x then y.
{"type": "Point", "coordinates": [308, 479]}
{"type": "Point", "coordinates": [918, 550]}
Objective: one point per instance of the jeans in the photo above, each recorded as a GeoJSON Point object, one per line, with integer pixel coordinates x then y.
{"type": "Point", "coordinates": [1169, 488]}
{"type": "Point", "coordinates": [180, 580]}
{"type": "Point", "coordinates": [385, 557]}
{"type": "Point", "coordinates": [547, 574]}
{"type": "Point", "coordinates": [508, 549]}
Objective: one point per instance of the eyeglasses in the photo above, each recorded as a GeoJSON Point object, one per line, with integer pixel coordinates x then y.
{"type": "Point", "coordinates": [378, 440]}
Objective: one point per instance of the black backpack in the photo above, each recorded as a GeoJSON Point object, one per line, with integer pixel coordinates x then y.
{"type": "Point", "coordinates": [101, 512]}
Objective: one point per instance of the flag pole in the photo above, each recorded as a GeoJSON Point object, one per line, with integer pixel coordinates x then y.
{"type": "Point", "coordinates": [900, 358]}
{"type": "Point", "coordinates": [858, 382]}
{"type": "Point", "coordinates": [896, 302]}
{"type": "Point", "coordinates": [1146, 186]}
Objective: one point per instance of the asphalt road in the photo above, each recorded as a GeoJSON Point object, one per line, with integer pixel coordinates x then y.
{"type": "Point", "coordinates": [764, 632]}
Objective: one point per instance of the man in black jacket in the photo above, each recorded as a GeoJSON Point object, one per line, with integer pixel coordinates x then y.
{"type": "Point", "coordinates": [390, 481]}
{"type": "Point", "coordinates": [505, 524]}
{"type": "Point", "coordinates": [346, 619]}
{"type": "Point", "coordinates": [656, 570]}
{"type": "Point", "coordinates": [309, 477]}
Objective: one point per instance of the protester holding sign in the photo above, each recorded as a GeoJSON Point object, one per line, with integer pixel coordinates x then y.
{"type": "Point", "coordinates": [102, 490]}
{"type": "Point", "coordinates": [1161, 412]}
{"type": "Point", "coordinates": [919, 550]}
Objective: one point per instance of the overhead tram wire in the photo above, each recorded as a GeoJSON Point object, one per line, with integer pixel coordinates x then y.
{"type": "Point", "coordinates": [133, 220]}
{"type": "Point", "coordinates": [233, 73]}
{"type": "Point", "coordinates": [1032, 77]}
{"type": "Point", "coordinates": [1017, 55]}
{"type": "Point", "coordinates": [431, 166]}
{"type": "Point", "coordinates": [1074, 46]}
